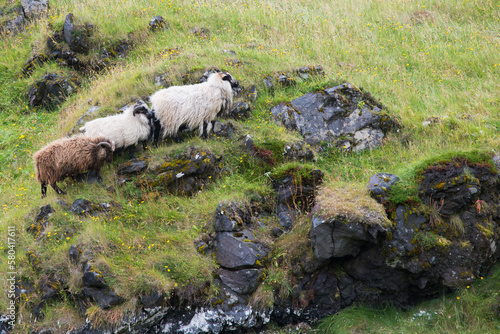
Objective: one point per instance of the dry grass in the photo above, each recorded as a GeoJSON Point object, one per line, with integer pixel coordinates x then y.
{"type": "Point", "coordinates": [352, 203]}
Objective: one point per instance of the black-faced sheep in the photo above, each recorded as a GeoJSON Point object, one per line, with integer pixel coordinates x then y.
{"type": "Point", "coordinates": [126, 129]}
{"type": "Point", "coordinates": [69, 157]}
{"type": "Point", "coordinates": [192, 105]}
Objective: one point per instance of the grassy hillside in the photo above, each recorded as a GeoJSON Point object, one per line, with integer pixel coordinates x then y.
{"type": "Point", "coordinates": [421, 59]}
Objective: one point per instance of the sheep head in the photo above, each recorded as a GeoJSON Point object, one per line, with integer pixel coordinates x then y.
{"type": "Point", "coordinates": [228, 77]}
{"type": "Point", "coordinates": [105, 150]}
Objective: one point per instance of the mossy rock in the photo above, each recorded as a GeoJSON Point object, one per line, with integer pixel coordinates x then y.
{"type": "Point", "coordinates": [185, 174]}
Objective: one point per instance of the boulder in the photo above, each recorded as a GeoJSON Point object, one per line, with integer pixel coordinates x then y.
{"type": "Point", "coordinates": [77, 36]}
{"type": "Point", "coordinates": [85, 207]}
{"type": "Point", "coordinates": [41, 221]}
{"type": "Point", "coordinates": [14, 26]}
{"type": "Point", "coordinates": [341, 115]}
{"type": "Point", "coordinates": [379, 185]}
{"type": "Point", "coordinates": [51, 90]}
{"type": "Point", "coordinates": [335, 238]}
{"type": "Point", "coordinates": [239, 250]}
{"type": "Point", "coordinates": [185, 174]}
{"type": "Point", "coordinates": [157, 23]}
{"type": "Point", "coordinates": [74, 254]}
{"type": "Point", "coordinates": [244, 281]}
{"type": "Point", "coordinates": [105, 298]}
{"type": "Point", "coordinates": [132, 167]}
{"type": "Point", "coordinates": [296, 191]}
{"type": "Point", "coordinates": [241, 110]}
{"type": "Point", "coordinates": [93, 277]}
{"type": "Point", "coordinates": [34, 8]}
{"type": "Point", "coordinates": [34, 62]}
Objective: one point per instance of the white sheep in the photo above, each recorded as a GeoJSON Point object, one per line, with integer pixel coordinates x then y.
{"type": "Point", "coordinates": [126, 129]}
{"type": "Point", "coordinates": [192, 105]}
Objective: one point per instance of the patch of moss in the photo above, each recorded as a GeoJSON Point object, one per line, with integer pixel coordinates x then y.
{"type": "Point", "coordinates": [471, 158]}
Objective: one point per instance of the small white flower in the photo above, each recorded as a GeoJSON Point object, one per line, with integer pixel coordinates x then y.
{"type": "Point", "coordinates": [179, 175]}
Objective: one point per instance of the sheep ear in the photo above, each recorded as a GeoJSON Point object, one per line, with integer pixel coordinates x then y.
{"type": "Point", "coordinates": [106, 144]}
{"type": "Point", "coordinates": [227, 77]}
{"type": "Point", "coordinates": [138, 110]}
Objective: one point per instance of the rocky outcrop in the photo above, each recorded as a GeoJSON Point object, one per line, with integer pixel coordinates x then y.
{"type": "Point", "coordinates": [51, 90]}
{"type": "Point", "coordinates": [34, 8]}
{"type": "Point", "coordinates": [184, 174]}
{"type": "Point", "coordinates": [341, 115]}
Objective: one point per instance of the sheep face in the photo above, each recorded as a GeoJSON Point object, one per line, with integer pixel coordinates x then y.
{"type": "Point", "coordinates": [105, 151]}
{"type": "Point", "coordinates": [228, 77]}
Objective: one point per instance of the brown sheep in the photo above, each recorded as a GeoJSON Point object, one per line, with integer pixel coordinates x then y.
{"type": "Point", "coordinates": [70, 156]}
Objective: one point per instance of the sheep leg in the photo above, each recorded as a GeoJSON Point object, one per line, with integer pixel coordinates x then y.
{"type": "Point", "coordinates": [57, 189]}
{"type": "Point", "coordinates": [44, 189]}
{"type": "Point", "coordinates": [200, 130]}
{"type": "Point", "coordinates": [209, 127]}
{"type": "Point", "coordinates": [131, 151]}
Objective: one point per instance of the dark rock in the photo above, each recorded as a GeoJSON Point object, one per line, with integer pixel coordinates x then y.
{"type": "Point", "coordinates": [34, 260]}
{"type": "Point", "coordinates": [76, 35]}
{"type": "Point", "coordinates": [334, 238]}
{"type": "Point", "coordinates": [296, 191]}
{"type": "Point", "coordinates": [244, 281]}
{"type": "Point", "coordinates": [241, 110]}
{"type": "Point", "coordinates": [323, 288]}
{"type": "Point", "coordinates": [201, 32]}
{"type": "Point", "coordinates": [452, 187]}
{"type": "Point", "coordinates": [90, 177]}
{"type": "Point", "coordinates": [34, 8]}
{"type": "Point", "coordinates": [51, 90]}
{"type": "Point", "coordinates": [239, 250]}
{"type": "Point", "coordinates": [252, 93]}
{"type": "Point", "coordinates": [132, 167]}
{"type": "Point", "coordinates": [44, 214]}
{"type": "Point", "coordinates": [82, 206]}
{"type": "Point", "coordinates": [185, 174]}
{"type": "Point", "coordinates": [306, 71]}
{"type": "Point", "coordinates": [458, 277]}
{"type": "Point", "coordinates": [41, 221]}
{"type": "Point", "coordinates": [93, 277]}
{"type": "Point", "coordinates": [157, 23]}
{"type": "Point", "coordinates": [285, 80]}
{"type": "Point", "coordinates": [74, 254]}
{"type": "Point", "coordinates": [105, 298]}
{"type": "Point", "coordinates": [296, 187]}
{"type": "Point", "coordinates": [268, 82]}
{"type": "Point", "coordinates": [34, 62]}
{"type": "Point", "coordinates": [68, 58]}
{"type": "Point", "coordinates": [118, 50]}
{"type": "Point", "coordinates": [286, 216]}
{"type": "Point", "coordinates": [277, 232]}
{"type": "Point", "coordinates": [152, 300]}
{"type": "Point", "coordinates": [408, 223]}
{"type": "Point", "coordinates": [376, 282]}
{"type": "Point", "coordinates": [380, 184]}
{"type": "Point", "coordinates": [342, 115]}
{"type": "Point", "coordinates": [298, 151]}
{"type": "Point", "coordinates": [14, 26]}
{"type": "Point", "coordinates": [231, 217]}
{"type": "Point", "coordinates": [54, 42]}
{"type": "Point", "coordinates": [225, 130]}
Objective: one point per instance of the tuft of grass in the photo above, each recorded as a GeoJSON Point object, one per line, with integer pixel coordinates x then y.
{"type": "Point", "coordinates": [352, 203]}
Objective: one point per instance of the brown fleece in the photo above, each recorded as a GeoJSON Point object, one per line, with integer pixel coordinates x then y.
{"type": "Point", "coordinates": [70, 156]}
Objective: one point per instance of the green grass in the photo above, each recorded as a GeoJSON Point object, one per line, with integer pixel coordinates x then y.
{"type": "Point", "coordinates": [420, 59]}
